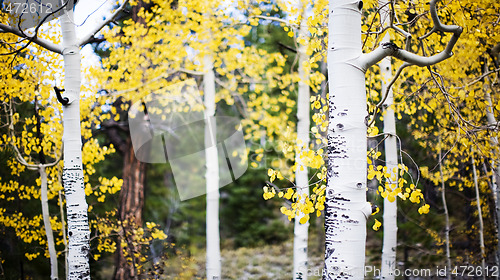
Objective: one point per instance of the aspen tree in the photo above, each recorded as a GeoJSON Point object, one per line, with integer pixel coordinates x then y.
{"type": "Point", "coordinates": [73, 179]}
{"type": "Point", "coordinates": [346, 205]}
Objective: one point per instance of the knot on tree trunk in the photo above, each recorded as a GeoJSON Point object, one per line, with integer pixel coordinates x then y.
{"type": "Point", "coordinates": [390, 45]}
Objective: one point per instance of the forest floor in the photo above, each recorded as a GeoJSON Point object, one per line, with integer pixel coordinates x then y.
{"type": "Point", "coordinates": [268, 262]}
{"type": "Point", "coordinates": [261, 263]}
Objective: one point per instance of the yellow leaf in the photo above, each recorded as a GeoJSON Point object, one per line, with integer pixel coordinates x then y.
{"type": "Point", "coordinates": [304, 219]}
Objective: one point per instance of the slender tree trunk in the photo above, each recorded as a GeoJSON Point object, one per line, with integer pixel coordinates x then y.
{"type": "Point", "coordinates": [63, 231]}
{"type": "Point", "coordinates": [495, 165]}
{"type": "Point", "coordinates": [76, 205]}
{"type": "Point", "coordinates": [212, 175]}
{"type": "Point", "coordinates": [301, 174]}
{"type": "Point", "coordinates": [480, 216]}
{"type": "Point", "coordinates": [346, 206]}
{"type": "Point", "coordinates": [446, 215]}
{"type": "Point", "coordinates": [44, 199]}
{"type": "Point", "coordinates": [391, 158]}
{"type": "Point", "coordinates": [130, 214]}
{"type": "Point", "coordinates": [46, 223]}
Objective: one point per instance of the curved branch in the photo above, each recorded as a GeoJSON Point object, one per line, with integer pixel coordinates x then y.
{"type": "Point", "coordinates": [275, 19]}
{"type": "Point", "coordinates": [480, 78]}
{"type": "Point", "coordinates": [90, 36]}
{"type": "Point", "coordinates": [386, 92]}
{"type": "Point", "coordinates": [389, 85]}
{"type": "Point", "coordinates": [191, 72]}
{"type": "Point", "coordinates": [41, 42]}
{"type": "Point", "coordinates": [17, 153]}
{"type": "Point", "coordinates": [390, 49]}
{"type": "Point", "coordinates": [58, 158]}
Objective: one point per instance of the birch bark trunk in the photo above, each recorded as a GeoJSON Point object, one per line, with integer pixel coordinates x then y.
{"type": "Point", "coordinates": [212, 174]}
{"type": "Point", "coordinates": [78, 247]}
{"type": "Point", "coordinates": [391, 158]}
{"type": "Point", "coordinates": [480, 216]}
{"type": "Point", "coordinates": [76, 205]}
{"type": "Point", "coordinates": [346, 206]}
{"type": "Point", "coordinates": [301, 234]}
{"type": "Point", "coordinates": [496, 167]}
{"type": "Point", "coordinates": [54, 274]}
{"type": "Point", "coordinates": [446, 215]}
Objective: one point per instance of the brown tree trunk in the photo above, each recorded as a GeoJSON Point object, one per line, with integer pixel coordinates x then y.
{"type": "Point", "coordinates": [130, 215]}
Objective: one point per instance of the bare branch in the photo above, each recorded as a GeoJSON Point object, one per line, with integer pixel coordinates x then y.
{"type": "Point", "coordinates": [393, 17]}
{"type": "Point", "coordinates": [390, 12]}
{"type": "Point", "coordinates": [162, 76]}
{"type": "Point", "coordinates": [438, 26]}
{"type": "Point", "coordinates": [90, 36]}
{"type": "Point", "coordinates": [243, 110]}
{"type": "Point", "coordinates": [58, 158]}
{"type": "Point", "coordinates": [386, 92]}
{"type": "Point", "coordinates": [390, 49]}
{"type": "Point", "coordinates": [18, 154]}
{"type": "Point", "coordinates": [275, 19]}
{"type": "Point", "coordinates": [39, 41]}
{"type": "Point", "coordinates": [191, 72]}
{"type": "Point", "coordinates": [389, 85]}
{"type": "Point", "coordinates": [480, 78]}
{"type": "Point", "coordinates": [276, 188]}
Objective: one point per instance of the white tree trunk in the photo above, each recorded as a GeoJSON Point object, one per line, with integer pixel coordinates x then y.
{"type": "Point", "coordinates": [44, 200]}
{"type": "Point", "coordinates": [301, 174]}
{"type": "Point", "coordinates": [496, 167]}
{"type": "Point", "coordinates": [78, 247]}
{"type": "Point", "coordinates": [63, 231]}
{"type": "Point", "coordinates": [446, 215]}
{"type": "Point", "coordinates": [76, 206]}
{"type": "Point", "coordinates": [212, 175]}
{"type": "Point", "coordinates": [390, 227]}
{"type": "Point", "coordinates": [391, 158]}
{"type": "Point", "coordinates": [480, 216]}
{"type": "Point", "coordinates": [46, 222]}
{"type": "Point", "coordinates": [346, 205]}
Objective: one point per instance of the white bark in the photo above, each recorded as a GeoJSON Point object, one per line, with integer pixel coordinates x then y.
{"type": "Point", "coordinates": [63, 231]}
{"type": "Point", "coordinates": [45, 208]}
{"type": "Point", "coordinates": [480, 216]}
{"type": "Point", "coordinates": [446, 215]}
{"type": "Point", "coordinates": [496, 167]}
{"type": "Point", "coordinates": [78, 228]}
{"type": "Point", "coordinates": [212, 175]}
{"type": "Point", "coordinates": [46, 222]}
{"type": "Point", "coordinates": [76, 206]}
{"type": "Point", "coordinates": [39, 41]}
{"type": "Point", "coordinates": [390, 49]}
{"type": "Point", "coordinates": [390, 208]}
{"type": "Point", "coordinates": [90, 36]}
{"type": "Point", "coordinates": [42, 170]}
{"type": "Point", "coordinates": [301, 174]}
{"type": "Point", "coordinates": [346, 205]}
{"type": "Point", "coordinates": [390, 227]}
